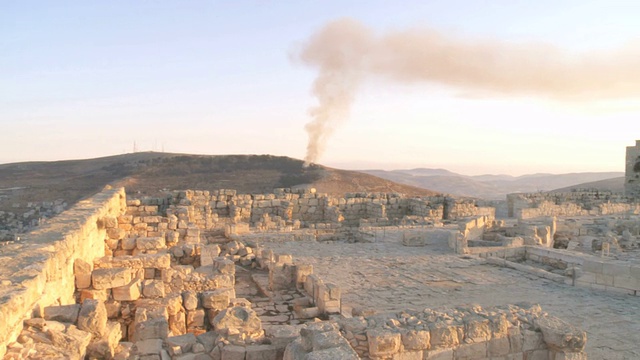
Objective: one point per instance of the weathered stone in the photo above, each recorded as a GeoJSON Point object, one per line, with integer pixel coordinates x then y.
{"type": "Point", "coordinates": [185, 342]}
{"type": "Point", "coordinates": [560, 335]}
{"type": "Point", "coordinates": [150, 243]}
{"type": "Point", "coordinates": [216, 300]}
{"type": "Point", "coordinates": [416, 339]}
{"type": "Point", "coordinates": [110, 278]}
{"type": "Point", "coordinates": [189, 300]}
{"type": "Point", "coordinates": [238, 320]}
{"type": "Point", "coordinates": [153, 289]}
{"type": "Point", "coordinates": [105, 348]}
{"type": "Point", "coordinates": [62, 313]}
{"type": "Point", "coordinates": [129, 292]}
{"type": "Point", "coordinates": [93, 317]}
{"type": "Point", "coordinates": [383, 342]}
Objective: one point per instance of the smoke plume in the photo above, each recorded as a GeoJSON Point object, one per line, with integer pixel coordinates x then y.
{"type": "Point", "coordinates": [346, 52]}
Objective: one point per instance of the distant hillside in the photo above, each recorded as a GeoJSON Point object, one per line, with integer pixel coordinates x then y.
{"type": "Point", "coordinates": [492, 187]}
{"type": "Point", "coordinates": [615, 185]}
{"type": "Point", "coordinates": [150, 173]}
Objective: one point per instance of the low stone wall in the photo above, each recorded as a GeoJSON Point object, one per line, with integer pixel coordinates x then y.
{"type": "Point", "coordinates": [465, 332]}
{"type": "Point", "coordinates": [39, 271]}
{"type": "Point", "coordinates": [610, 275]}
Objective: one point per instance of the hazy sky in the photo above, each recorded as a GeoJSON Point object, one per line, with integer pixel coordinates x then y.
{"type": "Point", "coordinates": [88, 79]}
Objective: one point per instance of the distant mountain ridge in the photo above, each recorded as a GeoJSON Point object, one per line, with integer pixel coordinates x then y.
{"type": "Point", "coordinates": [488, 186]}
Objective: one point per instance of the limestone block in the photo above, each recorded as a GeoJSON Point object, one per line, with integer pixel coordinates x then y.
{"type": "Point", "coordinates": [82, 271]}
{"type": "Point", "coordinates": [148, 347]}
{"type": "Point", "coordinates": [477, 330]}
{"type": "Point", "coordinates": [178, 323]}
{"type": "Point", "coordinates": [560, 335]}
{"type": "Point", "coordinates": [302, 271]}
{"type": "Point", "coordinates": [190, 299]}
{"type": "Point", "coordinates": [238, 320]}
{"type": "Point", "coordinates": [129, 243]}
{"type": "Point", "coordinates": [63, 313]}
{"type": "Point", "coordinates": [499, 347]}
{"type": "Point", "coordinates": [153, 289]}
{"type": "Point", "coordinates": [102, 295]}
{"type": "Point", "coordinates": [195, 318]}
{"type": "Point", "coordinates": [113, 308]}
{"type": "Point", "coordinates": [568, 355]}
{"type": "Point", "coordinates": [444, 336]}
{"type": "Point", "coordinates": [185, 342]}
{"type": "Point", "coordinates": [93, 317]}
{"type": "Point", "coordinates": [216, 300]}
{"type": "Point", "coordinates": [110, 278]}
{"type": "Point", "coordinates": [416, 339]}
{"type": "Point", "coordinates": [224, 266]}
{"type": "Point", "coordinates": [208, 253]}
{"type": "Point", "coordinates": [156, 261]}
{"type": "Point", "coordinates": [110, 222]}
{"type": "Point", "coordinates": [157, 328]}
{"type": "Point", "coordinates": [471, 351]}
{"type": "Point", "coordinates": [383, 342]}
{"type": "Point", "coordinates": [261, 352]}
{"type": "Point", "coordinates": [116, 233]}
{"type": "Point", "coordinates": [233, 352]}
{"type": "Point", "coordinates": [105, 348]}
{"type": "Point", "coordinates": [129, 292]}
{"type": "Point", "coordinates": [150, 243]}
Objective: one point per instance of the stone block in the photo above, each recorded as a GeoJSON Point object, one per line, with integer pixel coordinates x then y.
{"type": "Point", "coordinates": [438, 354]}
{"type": "Point", "coordinates": [156, 328]}
{"type": "Point", "coordinates": [153, 289]}
{"type": "Point", "coordinates": [149, 346]}
{"type": "Point", "coordinates": [128, 243]}
{"type": "Point", "coordinates": [568, 355]}
{"type": "Point", "coordinates": [208, 253]}
{"type": "Point", "coordinates": [184, 342]}
{"type": "Point", "coordinates": [93, 317]}
{"type": "Point", "coordinates": [110, 278]}
{"type": "Point", "coordinates": [560, 335]}
{"type": "Point", "coordinates": [416, 339]}
{"type": "Point", "coordinates": [150, 243]}
{"type": "Point", "coordinates": [444, 336]}
{"type": "Point", "coordinates": [195, 318]}
{"type": "Point", "coordinates": [105, 348]}
{"type": "Point", "coordinates": [471, 351]}
{"type": "Point", "coordinates": [408, 355]}
{"type": "Point", "coordinates": [216, 300]}
{"type": "Point", "coordinates": [383, 343]}
{"type": "Point", "coordinates": [261, 352]}
{"type": "Point", "coordinates": [129, 292]}
{"type": "Point", "coordinates": [626, 282]}
{"type": "Point", "coordinates": [499, 347]}
{"type": "Point", "coordinates": [233, 352]}
{"type": "Point", "coordinates": [62, 313]}
{"type": "Point", "coordinates": [190, 300]}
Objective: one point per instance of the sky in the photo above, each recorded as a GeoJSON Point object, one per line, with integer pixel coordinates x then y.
{"type": "Point", "coordinates": [93, 78]}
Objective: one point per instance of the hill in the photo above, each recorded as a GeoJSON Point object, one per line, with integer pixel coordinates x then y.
{"type": "Point", "coordinates": [615, 185]}
{"type": "Point", "coordinates": [491, 187]}
{"type": "Point", "coordinates": [149, 173]}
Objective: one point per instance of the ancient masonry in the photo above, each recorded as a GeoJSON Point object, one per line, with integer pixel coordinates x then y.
{"type": "Point", "coordinates": [187, 277]}
{"type": "Point", "coordinates": [632, 171]}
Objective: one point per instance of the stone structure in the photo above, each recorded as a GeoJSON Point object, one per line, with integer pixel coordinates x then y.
{"type": "Point", "coordinates": [632, 171]}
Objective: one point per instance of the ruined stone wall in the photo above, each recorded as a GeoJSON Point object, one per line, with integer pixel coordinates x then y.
{"type": "Point", "coordinates": [210, 210]}
{"type": "Point", "coordinates": [469, 332]}
{"type": "Point", "coordinates": [38, 271]}
{"type": "Point", "coordinates": [632, 171]}
{"type": "Point", "coordinates": [578, 203]}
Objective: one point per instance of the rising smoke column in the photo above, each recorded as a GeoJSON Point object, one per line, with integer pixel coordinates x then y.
{"type": "Point", "coordinates": [345, 52]}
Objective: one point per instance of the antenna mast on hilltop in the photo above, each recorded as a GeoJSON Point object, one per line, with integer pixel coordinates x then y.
{"type": "Point", "coordinates": [135, 147]}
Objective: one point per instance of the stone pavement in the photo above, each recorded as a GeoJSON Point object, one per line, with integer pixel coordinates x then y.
{"type": "Point", "coordinates": [386, 276]}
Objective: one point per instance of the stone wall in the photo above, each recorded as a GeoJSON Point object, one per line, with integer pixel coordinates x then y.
{"type": "Point", "coordinates": [210, 210]}
{"type": "Point", "coordinates": [578, 203]}
{"type": "Point", "coordinates": [465, 332]}
{"type": "Point", "coordinates": [632, 171]}
{"type": "Point", "coordinates": [38, 271]}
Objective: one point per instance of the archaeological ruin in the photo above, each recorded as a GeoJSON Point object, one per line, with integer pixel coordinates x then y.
{"type": "Point", "coordinates": [296, 274]}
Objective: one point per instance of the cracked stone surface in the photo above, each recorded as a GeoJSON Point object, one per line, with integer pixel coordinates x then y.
{"type": "Point", "coordinates": [386, 276]}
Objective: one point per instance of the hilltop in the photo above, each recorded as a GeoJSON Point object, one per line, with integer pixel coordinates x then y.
{"type": "Point", "coordinates": [150, 173]}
